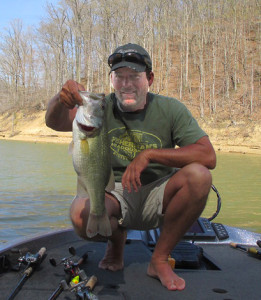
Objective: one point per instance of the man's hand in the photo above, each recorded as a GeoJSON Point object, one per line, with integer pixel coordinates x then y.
{"type": "Point", "coordinates": [69, 95]}
{"type": "Point", "coordinates": [131, 176]}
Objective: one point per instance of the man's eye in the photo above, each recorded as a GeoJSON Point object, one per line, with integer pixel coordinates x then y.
{"type": "Point", "coordinates": [135, 77]}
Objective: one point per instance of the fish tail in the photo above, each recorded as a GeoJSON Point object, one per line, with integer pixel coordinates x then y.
{"type": "Point", "coordinates": [98, 225]}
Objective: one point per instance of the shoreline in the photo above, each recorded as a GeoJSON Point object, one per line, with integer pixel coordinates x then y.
{"type": "Point", "coordinates": [66, 138]}
{"type": "Point", "coordinates": [243, 137]}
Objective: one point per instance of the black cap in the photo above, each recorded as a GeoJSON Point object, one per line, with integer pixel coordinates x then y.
{"type": "Point", "coordinates": [139, 65]}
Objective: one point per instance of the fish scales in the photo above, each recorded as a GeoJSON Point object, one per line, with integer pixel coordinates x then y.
{"type": "Point", "coordinates": [91, 160]}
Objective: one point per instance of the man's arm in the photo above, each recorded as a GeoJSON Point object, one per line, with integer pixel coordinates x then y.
{"type": "Point", "coordinates": [201, 152]}
{"type": "Point", "coordinates": [61, 108]}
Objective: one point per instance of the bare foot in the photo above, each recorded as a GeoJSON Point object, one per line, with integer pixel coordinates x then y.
{"type": "Point", "coordinates": [162, 271]}
{"type": "Point", "coordinates": [113, 258]}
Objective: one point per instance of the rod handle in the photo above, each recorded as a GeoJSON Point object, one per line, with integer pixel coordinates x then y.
{"type": "Point", "coordinates": [41, 252]}
{"type": "Point", "coordinates": [82, 259]}
{"type": "Point", "coordinates": [91, 282]}
{"type": "Point", "coordinates": [28, 271]}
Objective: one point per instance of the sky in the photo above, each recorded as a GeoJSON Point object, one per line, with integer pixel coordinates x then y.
{"type": "Point", "coordinates": [29, 11]}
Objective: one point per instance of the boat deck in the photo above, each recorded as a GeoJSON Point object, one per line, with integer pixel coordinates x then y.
{"type": "Point", "coordinates": [227, 274]}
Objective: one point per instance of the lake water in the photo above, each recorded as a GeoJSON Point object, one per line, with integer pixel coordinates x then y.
{"type": "Point", "coordinates": [38, 183]}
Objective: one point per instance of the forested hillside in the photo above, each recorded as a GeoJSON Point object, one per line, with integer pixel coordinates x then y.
{"type": "Point", "coordinates": [205, 53]}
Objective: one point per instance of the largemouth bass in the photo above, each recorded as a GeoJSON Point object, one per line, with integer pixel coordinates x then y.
{"type": "Point", "coordinates": [91, 160]}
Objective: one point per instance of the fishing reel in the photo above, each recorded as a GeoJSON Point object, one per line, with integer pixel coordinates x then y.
{"type": "Point", "coordinates": [76, 280]}
{"type": "Point", "coordinates": [65, 260]}
{"type": "Point", "coordinates": [71, 268]}
{"type": "Point", "coordinates": [82, 289]}
{"type": "Point", "coordinates": [29, 259]}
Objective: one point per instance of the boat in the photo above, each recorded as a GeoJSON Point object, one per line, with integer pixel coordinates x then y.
{"type": "Point", "coordinates": [217, 262]}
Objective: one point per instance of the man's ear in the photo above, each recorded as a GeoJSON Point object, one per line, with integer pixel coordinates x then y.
{"type": "Point", "coordinates": [111, 85]}
{"type": "Point", "coordinates": [151, 78]}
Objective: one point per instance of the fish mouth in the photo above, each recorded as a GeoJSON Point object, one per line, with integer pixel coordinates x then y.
{"type": "Point", "coordinates": [87, 129]}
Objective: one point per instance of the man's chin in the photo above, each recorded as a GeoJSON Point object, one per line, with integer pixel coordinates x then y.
{"type": "Point", "coordinates": [128, 105]}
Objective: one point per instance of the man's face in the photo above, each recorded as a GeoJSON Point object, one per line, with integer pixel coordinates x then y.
{"type": "Point", "coordinates": [131, 88]}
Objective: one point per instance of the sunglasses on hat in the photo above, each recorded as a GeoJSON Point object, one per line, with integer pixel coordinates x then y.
{"type": "Point", "coordinates": [132, 57]}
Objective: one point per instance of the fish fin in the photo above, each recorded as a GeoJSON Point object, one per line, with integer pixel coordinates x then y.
{"type": "Point", "coordinates": [81, 189]}
{"type": "Point", "coordinates": [98, 225]}
{"type": "Point", "coordinates": [84, 147]}
{"type": "Point", "coordinates": [70, 149]}
{"type": "Point", "coordinates": [111, 184]}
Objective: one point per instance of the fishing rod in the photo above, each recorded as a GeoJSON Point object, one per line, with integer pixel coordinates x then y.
{"type": "Point", "coordinates": [72, 271]}
{"type": "Point", "coordinates": [251, 251]}
{"type": "Point", "coordinates": [84, 290]}
{"type": "Point", "coordinates": [31, 261]}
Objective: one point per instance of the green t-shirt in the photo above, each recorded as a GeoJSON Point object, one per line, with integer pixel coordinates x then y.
{"type": "Point", "coordinates": [164, 123]}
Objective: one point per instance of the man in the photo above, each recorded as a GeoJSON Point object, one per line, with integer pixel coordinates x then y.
{"type": "Point", "coordinates": [157, 185]}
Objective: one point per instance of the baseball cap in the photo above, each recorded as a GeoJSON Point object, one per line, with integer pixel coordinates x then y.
{"type": "Point", "coordinates": [131, 56]}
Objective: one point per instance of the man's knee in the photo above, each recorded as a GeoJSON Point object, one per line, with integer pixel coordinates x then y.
{"type": "Point", "coordinates": [194, 175]}
{"type": "Point", "coordinates": [199, 180]}
{"type": "Point", "coordinates": [199, 174]}
{"type": "Point", "coordinates": [79, 212]}
{"type": "Point", "coordinates": [193, 181]}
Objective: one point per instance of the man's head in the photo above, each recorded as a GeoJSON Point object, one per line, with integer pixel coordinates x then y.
{"type": "Point", "coordinates": [131, 56]}
{"type": "Point", "coordinates": [131, 76]}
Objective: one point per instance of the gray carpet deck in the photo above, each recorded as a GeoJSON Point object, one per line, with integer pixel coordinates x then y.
{"type": "Point", "coordinates": [238, 277]}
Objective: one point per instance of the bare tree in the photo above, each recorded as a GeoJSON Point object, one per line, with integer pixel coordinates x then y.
{"type": "Point", "coordinates": [205, 52]}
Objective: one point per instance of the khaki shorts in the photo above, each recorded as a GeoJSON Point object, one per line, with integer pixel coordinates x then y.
{"type": "Point", "coordinates": [142, 210]}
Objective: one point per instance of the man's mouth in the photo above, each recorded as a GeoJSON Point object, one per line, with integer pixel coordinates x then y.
{"type": "Point", "coordinates": [129, 97]}
{"type": "Point", "coordinates": [128, 94]}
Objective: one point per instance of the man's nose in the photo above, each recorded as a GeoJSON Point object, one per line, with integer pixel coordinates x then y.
{"type": "Point", "coordinates": [126, 82]}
